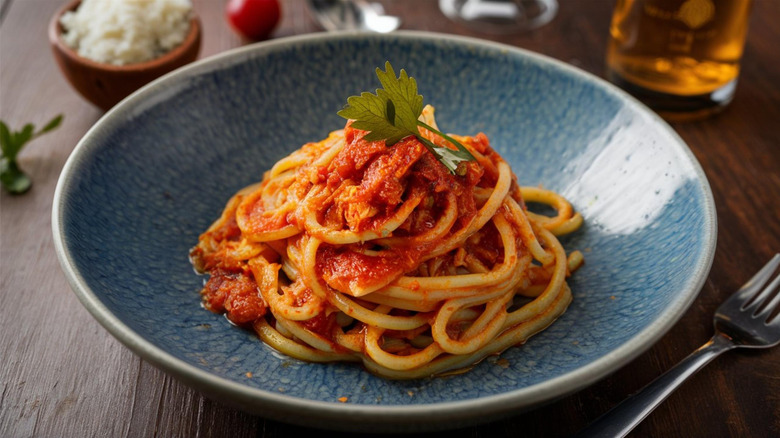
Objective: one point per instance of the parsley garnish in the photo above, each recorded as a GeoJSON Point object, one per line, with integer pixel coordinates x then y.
{"type": "Point", "coordinates": [393, 114]}
{"type": "Point", "coordinates": [12, 178]}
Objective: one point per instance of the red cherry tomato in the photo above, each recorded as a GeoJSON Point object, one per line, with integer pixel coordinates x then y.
{"type": "Point", "coordinates": [254, 19]}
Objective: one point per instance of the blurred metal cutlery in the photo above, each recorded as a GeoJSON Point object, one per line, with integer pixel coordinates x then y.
{"type": "Point", "coordinates": [334, 15]}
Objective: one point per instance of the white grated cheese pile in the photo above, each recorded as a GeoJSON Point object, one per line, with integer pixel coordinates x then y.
{"type": "Point", "coordinates": [123, 32]}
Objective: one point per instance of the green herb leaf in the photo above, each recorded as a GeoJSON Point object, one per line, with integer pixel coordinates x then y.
{"type": "Point", "coordinates": [21, 138]}
{"type": "Point", "coordinates": [5, 139]}
{"type": "Point", "coordinates": [370, 113]}
{"type": "Point", "coordinates": [462, 152]}
{"type": "Point", "coordinates": [12, 178]}
{"type": "Point", "coordinates": [11, 143]}
{"type": "Point", "coordinates": [402, 91]}
{"type": "Point", "coordinates": [393, 114]}
{"type": "Point", "coordinates": [55, 122]}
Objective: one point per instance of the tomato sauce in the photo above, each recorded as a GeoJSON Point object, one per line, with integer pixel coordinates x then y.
{"type": "Point", "coordinates": [347, 269]}
{"type": "Point", "coordinates": [234, 293]}
{"type": "Point", "coordinates": [388, 176]}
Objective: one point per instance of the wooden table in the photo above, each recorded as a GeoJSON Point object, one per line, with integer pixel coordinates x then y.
{"type": "Point", "coordinates": [63, 375]}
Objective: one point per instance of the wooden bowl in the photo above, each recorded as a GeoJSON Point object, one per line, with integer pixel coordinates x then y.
{"type": "Point", "coordinates": [104, 84]}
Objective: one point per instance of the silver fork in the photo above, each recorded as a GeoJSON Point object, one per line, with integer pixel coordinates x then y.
{"type": "Point", "coordinates": [745, 319]}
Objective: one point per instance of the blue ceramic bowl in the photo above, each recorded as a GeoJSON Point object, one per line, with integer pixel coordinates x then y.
{"type": "Point", "coordinates": [156, 170]}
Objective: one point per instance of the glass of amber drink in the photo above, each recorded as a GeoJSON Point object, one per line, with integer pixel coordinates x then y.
{"type": "Point", "coordinates": [680, 57]}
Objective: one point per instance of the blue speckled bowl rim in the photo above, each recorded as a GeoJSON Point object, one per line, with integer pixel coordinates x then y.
{"type": "Point", "coordinates": [371, 417]}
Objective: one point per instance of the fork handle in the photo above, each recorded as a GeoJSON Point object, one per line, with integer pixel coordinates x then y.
{"type": "Point", "coordinates": [619, 421]}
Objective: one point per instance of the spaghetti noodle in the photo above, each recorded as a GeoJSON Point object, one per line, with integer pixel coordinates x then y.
{"type": "Point", "coordinates": [349, 250]}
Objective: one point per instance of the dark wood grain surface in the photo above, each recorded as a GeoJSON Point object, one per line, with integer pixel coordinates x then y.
{"type": "Point", "coordinates": [63, 375]}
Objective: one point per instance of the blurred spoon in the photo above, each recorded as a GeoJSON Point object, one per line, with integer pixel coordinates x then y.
{"type": "Point", "coordinates": [360, 15]}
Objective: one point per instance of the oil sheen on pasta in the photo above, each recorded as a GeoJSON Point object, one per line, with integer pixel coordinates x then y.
{"type": "Point", "coordinates": [349, 250]}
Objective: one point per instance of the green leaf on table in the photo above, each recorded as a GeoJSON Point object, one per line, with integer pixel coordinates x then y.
{"type": "Point", "coordinates": [55, 122]}
{"type": "Point", "coordinates": [12, 178]}
{"type": "Point", "coordinates": [5, 139]}
{"type": "Point", "coordinates": [11, 143]}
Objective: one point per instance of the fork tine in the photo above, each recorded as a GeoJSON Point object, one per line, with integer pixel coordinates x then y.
{"type": "Point", "coordinates": [765, 294]}
{"type": "Point", "coordinates": [749, 289]}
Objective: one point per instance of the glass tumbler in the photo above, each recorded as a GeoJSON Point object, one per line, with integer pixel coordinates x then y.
{"type": "Point", "coordinates": [500, 16]}
{"type": "Point", "coordinates": [680, 57]}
